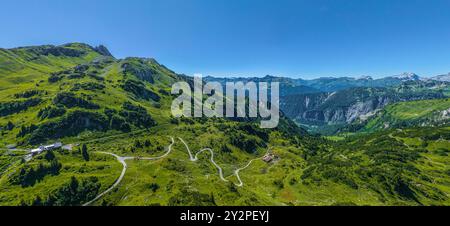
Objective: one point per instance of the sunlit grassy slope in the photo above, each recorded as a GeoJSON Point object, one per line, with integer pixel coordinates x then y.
{"type": "Point", "coordinates": [413, 113]}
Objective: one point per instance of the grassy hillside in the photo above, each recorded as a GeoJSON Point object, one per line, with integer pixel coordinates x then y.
{"type": "Point", "coordinates": [401, 166]}
{"type": "Point", "coordinates": [94, 89]}
{"type": "Point", "coordinates": [36, 183]}
{"type": "Point", "coordinates": [414, 113]}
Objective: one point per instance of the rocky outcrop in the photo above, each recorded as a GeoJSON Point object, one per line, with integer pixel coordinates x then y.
{"type": "Point", "coordinates": [343, 114]}
{"type": "Point", "coordinates": [139, 68]}
{"type": "Point", "coordinates": [102, 50]}
{"type": "Point", "coordinates": [139, 90]}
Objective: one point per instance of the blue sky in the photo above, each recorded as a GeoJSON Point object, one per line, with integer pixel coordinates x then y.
{"type": "Point", "coordinates": [247, 37]}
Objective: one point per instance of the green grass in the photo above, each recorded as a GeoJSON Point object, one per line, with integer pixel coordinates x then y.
{"type": "Point", "coordinates": [105, 168]}
{"type": "Point", "coordinates": [411, 113]}
{"type": "Point", "coordinates": [417, 109]}
{"type": "Point", "coordinates": [259, 181]}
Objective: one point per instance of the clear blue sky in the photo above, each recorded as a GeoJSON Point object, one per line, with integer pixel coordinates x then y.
{"type": "Point", "coordinates": [247, 37]}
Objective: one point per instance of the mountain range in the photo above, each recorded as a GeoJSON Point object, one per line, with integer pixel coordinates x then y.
{"type": "Point", "coordinates": [332, 84]}
{"type": "Point", "coordinates": [325, 104]}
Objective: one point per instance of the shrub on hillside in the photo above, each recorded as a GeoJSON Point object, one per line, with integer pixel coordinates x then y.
{"type": "Point", "coordinates": [9, 108]}
{"type": "Point", "coordinates": [69, 100]}
{"type": "Point", "coordinates": [51, 112]}
{"type": "Point", "coordinates": [138, 89]}
{"type": "Point", "coordinates": [71, 124]}
{"type": "Point", "coordinates": [136, 115]}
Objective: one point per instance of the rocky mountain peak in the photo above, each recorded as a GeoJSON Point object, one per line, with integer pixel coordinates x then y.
{"type": "Point", "coordinates": [407, 76]}
{"type": "Point", "coordinates": [101, 49]}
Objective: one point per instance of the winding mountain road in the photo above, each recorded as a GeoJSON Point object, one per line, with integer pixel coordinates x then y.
{"type": "Point", "coordinates": [195, 158]}
{"type": "Point", "coordinates": [192, 158]}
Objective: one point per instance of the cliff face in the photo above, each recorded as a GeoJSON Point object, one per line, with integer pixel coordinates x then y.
{"type": "Point", "coordinates": [345, 106]}
{"type": "Point", "coordinates": [310, 109]}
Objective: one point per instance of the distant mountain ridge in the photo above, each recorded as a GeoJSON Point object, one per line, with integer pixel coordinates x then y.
{"type": "Point", "coordinates": [442, 78]}
{"type": "Point", "coordinates": [291, 86]}
{"type": "Point", "coordinates": [327, 103]}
